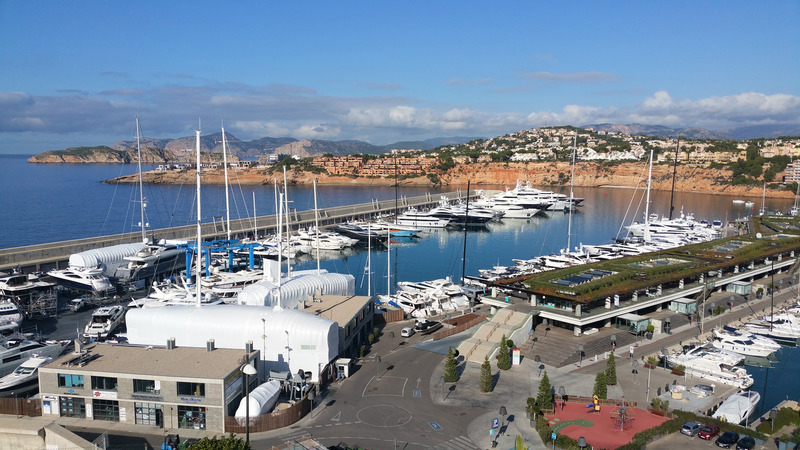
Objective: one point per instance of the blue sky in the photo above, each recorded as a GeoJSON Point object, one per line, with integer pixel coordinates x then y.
{"type": "Point", "coordinates": [76, 73]}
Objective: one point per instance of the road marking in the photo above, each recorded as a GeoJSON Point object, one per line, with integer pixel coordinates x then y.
{"type": "Point", "coordinates": [435, 426]}
{"type": "Point", "coordinates": [337, 417]}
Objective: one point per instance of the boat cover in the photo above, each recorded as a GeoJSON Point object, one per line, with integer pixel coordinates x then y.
{"type": "Point", "coordinates": [109, 257]}
{"type": "Point", "coordinates": [262, 399]}
{"type": "Point", "coordinates": [294, 291]}
{"type": "Point", "coordinates": [289, 339]}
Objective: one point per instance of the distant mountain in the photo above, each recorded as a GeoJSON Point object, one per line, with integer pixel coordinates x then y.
{"type": "Point", "coordinates": [740, 133]}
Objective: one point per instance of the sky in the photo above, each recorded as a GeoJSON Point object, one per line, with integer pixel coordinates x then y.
{"type": "Point", "coordinates": [78, 73]}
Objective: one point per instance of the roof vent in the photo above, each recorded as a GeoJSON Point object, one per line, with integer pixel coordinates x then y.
{"type": "Point", "coordinates": [210, 345]}
{"type": "Point", "coordinates": [170, 343]}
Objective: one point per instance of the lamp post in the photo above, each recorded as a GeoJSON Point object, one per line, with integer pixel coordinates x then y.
{"type": "Point", "coordinates": [248, 370]}
{"type": "Point", "coordinates": [378, 367]}
{"type": "Point", "coordinates": [563, 393]}
{"type": "Point", "coordinates": [773, 414]}
{"type": "Point", "coordinates": [580, 354]}
{"type": "Point", "coordinates": [312, 395]}
{"type": "Point", "coordinates": [582, 442]}
{"type": "Point", "coordinates": [503, 414]}
{"type": "Point", "coordinates": [649, 371]}
{"type": "Point", "coordinates": [772, 295]}
{"type": "Point", "coordinates": [635, 370]}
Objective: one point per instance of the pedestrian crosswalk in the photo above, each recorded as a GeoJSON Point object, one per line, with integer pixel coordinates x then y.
{"type": "Point", "coordinates": [458, 443]}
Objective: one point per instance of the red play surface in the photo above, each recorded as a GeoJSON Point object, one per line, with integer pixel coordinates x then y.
{"type": "Point", "coordinates": [599, 429]}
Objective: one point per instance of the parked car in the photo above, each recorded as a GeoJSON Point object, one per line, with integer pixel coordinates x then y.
{"type": "Point", "coordinates": [690, 428]}
{"type": "Point", "coordinates": [746, 443]}
{"type": "Point", "coordinates": [727, 439]}
{"type": "Point", "coordinates": [407, 332]}
{"type": "Point", "coordinates": [708, 431]}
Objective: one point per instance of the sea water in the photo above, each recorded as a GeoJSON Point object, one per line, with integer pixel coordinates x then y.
{"type": "Point", "coordinates": [42, 203]}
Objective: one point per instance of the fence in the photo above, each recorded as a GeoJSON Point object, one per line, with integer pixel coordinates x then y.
{"type": "Point", "coordinates": [277, 419]}
{"type": "Point", "coordinates": [390, 315]}
{"type": "Point", "coordinates": [21, 406]}
{"type": "Point", "coordinates": [459, 328]}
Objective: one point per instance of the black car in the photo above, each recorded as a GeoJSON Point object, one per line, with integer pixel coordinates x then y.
{"type": "Point", "coordinates": [727, 439]}
{"type": "Point", "coordinates": [746, 443]}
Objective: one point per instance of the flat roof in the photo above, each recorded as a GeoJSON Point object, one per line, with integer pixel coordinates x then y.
{"type": "Point", "coordinates": [337, 308]}
{"type": "Point", "coordinates": [632, 317]}
{"type": "Point", "coordinates": [684, 300]}
{"type": "Point", "coordinates": [183, 362]}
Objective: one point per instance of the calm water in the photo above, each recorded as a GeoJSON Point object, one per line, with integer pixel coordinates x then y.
{"type": "Point", "coordinates": [43, 203]}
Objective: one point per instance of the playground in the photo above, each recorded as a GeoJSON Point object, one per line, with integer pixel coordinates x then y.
{"type": "Point", "coordinates": [610, 427]}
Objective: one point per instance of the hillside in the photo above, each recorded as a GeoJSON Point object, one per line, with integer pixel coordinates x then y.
{"type": "Point", "coordinates": [587, 174]}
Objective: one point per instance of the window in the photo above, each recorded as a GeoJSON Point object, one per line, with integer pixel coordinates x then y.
{"type": "Point", "coordinates": [144, 386]}
{"type": "Point", "coordinates": [104, 383]}
{"type": "Point", "coordinates": [69, 380]}
{"type": "Point", "coordinates": [72, 407]}
{"type": "Point", "coordinates": [192, 417]}
{"type": "Point", "coordinates": [148, 413]}
{"type": "Point", "coordinates": [193, 389]}
{"type": "Point", "coordinates": [105, 410]}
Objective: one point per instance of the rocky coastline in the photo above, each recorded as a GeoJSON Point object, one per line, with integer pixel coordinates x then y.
{"type": "Point", "coordinates": [547, 174]}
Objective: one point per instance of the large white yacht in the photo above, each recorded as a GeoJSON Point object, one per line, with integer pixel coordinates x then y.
{"type": "Point", "coordinates": [83, 278]}
{"type": "Point", "coordinates": [738, 407]}
{"type": "Point", "coordinates": [416, 218]}
{"type": "Point", "coordinates": [16, 349]}
{"type": "Point", "coordinates": [713, 364]}
{"type": "Point", "coordinates": [104, 321]}
{"type": "Point", "coordinates": [149, 262]}
{"type": "Point", "coordinates": [10, 317]}
{"type": "Point", "coordinates": [748, 345]}
{"type": "Point", "coordinates": [25, 377]}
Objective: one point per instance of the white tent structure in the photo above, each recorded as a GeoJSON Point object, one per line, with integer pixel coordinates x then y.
{"type": "Point", "coordinates": [290, 340]}
{"type": "Point", "coordinates": [109, 258]}
{"type": "Point", "coordinates": [294, 291]}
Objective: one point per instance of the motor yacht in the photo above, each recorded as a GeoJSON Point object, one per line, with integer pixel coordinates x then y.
{"type": "Point", "coordinates": [10, 317]}
{"type": "Point", "coordinates": [738, 407]}
{"type": "Point", "coordinates": [152, 261]}
{"type": "Point", "coordinates": [82, 278]}
{"type": "Point", "coordinates": [24, 378]}
{"type": "Point", "coordinates": [16, 349]}
{"type": "Point", "coordinates": [747, 344]}
{"type": "Point", "coordinates": [104, 321]}
{"type": "Point", "coordinates": [783, 328]}
{"type": "Point", "coordinates": [415, 218]}
{"type": "Point", "coordinates": [706, 364]}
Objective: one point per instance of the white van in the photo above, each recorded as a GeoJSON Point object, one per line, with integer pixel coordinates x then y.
{"type": "Point", "coordinates": [407, 332]}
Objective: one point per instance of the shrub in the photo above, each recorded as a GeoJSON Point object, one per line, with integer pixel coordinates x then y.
{"type": "Point", "coordinates": [486, 376]}
{"type": "Point", "coordinates": [611, 370]}
{"type": "Point", "coordinates": [600, 386]}
{"type": "Point", "coordinates": [503, 358]}
{"type": "Point", "coordinates": [450, 364]}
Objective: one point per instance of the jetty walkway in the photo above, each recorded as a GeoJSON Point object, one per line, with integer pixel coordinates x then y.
{"type": "Point", "coordinates": [55, 255]}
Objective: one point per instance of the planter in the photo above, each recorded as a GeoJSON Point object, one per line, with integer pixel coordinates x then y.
{"type": "Point", "coordinates": [649, 336]}
{"type": "Point", "coordinates": [677, 372]}
{"type": "Point", "coordinates": [649, 366]}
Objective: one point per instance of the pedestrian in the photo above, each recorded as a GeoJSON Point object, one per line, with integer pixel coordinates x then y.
{"type": "Point", "coordinates": [631, 352]}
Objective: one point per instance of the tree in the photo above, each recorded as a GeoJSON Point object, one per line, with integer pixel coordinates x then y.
{"type": "Point", "coordinates": [611, 370]}
{"type": "Point", "coordinates": [503, 357]}
{"type": "Point", "coordinates": [600, 387]}
{"type": "Point", "coordinates": [227, 443]}
{"type": "Point", "coordinates": [450, 372]}
{"type": "Point", "coordinates": [545, 395]}
{"type": "Point", "coordinates": [486, 376]}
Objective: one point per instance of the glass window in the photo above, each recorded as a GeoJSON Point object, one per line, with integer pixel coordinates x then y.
{"type": "Point", "coordinates": [104, 383]}
{"type": "Point", "coordinates": [72, 407]}
{"type": "Point", "coordinates": [105, 410]}
{"type": "Point", "coordinates": [148, 413]}
{"type": "Point", "coordinates": [146, 386]}
{"type": "Point", "coordinates": [193, 389]}
{"type": "Point", "coordinates": [69, 380]}
{"type": "Point", "coordinates": [192, 417]}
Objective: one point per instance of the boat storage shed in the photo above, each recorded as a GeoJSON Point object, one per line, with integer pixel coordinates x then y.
{"type": "Point", "coordinates": [109, 258]}
{"type": "Point", "coordinates": [297, 289]}
{"type": "Point", "coordinates": [289, 339]}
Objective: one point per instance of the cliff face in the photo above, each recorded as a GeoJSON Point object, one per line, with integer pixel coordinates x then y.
{"type": "Point", "coordinates": [102, 155]}
{"type": "Point", "coordinates": [688, 179]}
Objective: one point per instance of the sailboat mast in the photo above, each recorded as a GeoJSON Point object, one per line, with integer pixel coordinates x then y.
{"type": "Point", "coordinates": [227, 200]}
{"type": "Point", "coordinates": [316, 223]}
{"type": "Point", "coordinates": [763, 200]}
{"type": "Point", "coordinates": [255, 218]}
{"type": "Point", "coordinates": [464, 255]}
{"type": "Point", "coordinates": [199, 263]}
{"type": "Point", "coordinates": [141, 193]}
{"type": "Point", "coordinates": [388, 260]}
{"type": "Point", "coordinates": [647, 203]}
{"type": "Point", "coordinates": [280, 243]}
{"type": "Point", "coordinates": [571, 184]}
{"type": "Point", "coordinates": [288, 227]}
{"type": "Point", "coordinates": [369, 259]}
{"type": "Point", "coordinates": [674, 174]}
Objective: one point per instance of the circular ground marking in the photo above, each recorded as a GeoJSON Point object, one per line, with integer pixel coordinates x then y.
{"type": "Point", "coordinates": [579, 422]}
{"type": "Point", "coordinates": [384, 416]}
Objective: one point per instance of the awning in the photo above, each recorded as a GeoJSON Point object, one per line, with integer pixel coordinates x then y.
{"type": "Point", "coordinates": [633, 317]}
{"type": "Point", "coordinates": [685, 301]}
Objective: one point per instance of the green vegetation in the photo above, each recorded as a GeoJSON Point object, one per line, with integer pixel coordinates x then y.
{"type": "Point", "coordinates": [450, 367]}
{"type": "Point", "coordinates": [661, 405]}
{"type": "Point", "coordinates": [503, 356]}
{"type": "Point", "coordinates": [544, 397]}
{"type": "Point", "coordinates": [600, 386]}
{"type": "Point", "coordinates": [611, 370]}
{"type": "Point", "coordinates": [786, 417]}
{"type": "Point", "coordinates": [227, 443]}
{"type": "Point", "coordinates": [486, 384]}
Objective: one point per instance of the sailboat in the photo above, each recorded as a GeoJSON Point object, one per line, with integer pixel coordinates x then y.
{"type": "Point", "coordinates": [154, 260]}
{"type": "Point", "coordinates": [794, 211]}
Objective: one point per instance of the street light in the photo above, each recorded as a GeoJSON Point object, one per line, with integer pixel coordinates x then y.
{"type": "Point", "coordinates": [773, 414]}
{"type": "Point", "coordinates": [582, 442]}
{"type": "Point", "coordinates": [635, 370]}
{"type": "Point", "coordinates": [580, 351]}
{"type": "Point", "coordinates": [503, 414]}
{"type": "Point", "coordinates": [248, 370]}
{"type": "Point", "coordinates": [378, 366]}
{"type": "Point", "coordinates": [613, 342]}
{"type": "Point", "coordinates": [563, 393]}
{"type": "Point", "coordinates": [312, 396]}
